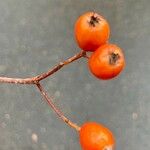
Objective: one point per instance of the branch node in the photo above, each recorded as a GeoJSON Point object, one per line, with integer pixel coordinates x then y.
{"type": "Point", "coordinates": [61, 63]}
{"type": "Point", "coordinates": [36, 80]}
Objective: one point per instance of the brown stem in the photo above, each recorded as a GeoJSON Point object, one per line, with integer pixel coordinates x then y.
{"type": "Point", "coordinates": [58, 112]}
{"type": "Point", "coordinates": [36, 79]}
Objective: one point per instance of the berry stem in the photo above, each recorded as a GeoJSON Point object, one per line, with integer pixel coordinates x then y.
{"type": "Point", "coordinates": [57, 111]}
{"type": "Point", "coordinates": [36, 80]}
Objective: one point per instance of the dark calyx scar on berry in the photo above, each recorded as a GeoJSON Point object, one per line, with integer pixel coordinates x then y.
{"type": "Point", "coordinates": [94, 20]}
{"type": "Point", "coordinates": [91, 31]}
{"type": "Point", "coordinates": [113, 58]}
{"type": "Point", "coordinates": [107, 61]}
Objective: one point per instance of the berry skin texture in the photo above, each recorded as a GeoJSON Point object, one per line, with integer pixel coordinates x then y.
{"type": "Point", "coordinates": [91, 31]}
{"type": "Point", "coordinates": [94, 136]}
{"type": "Point", "coordinates": [107, 62]}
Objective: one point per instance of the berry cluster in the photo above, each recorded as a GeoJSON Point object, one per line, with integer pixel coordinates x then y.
{"type": "Point", "coordinates": [106, 62]}
{"type": "Point", "coordinates": [92, 33]}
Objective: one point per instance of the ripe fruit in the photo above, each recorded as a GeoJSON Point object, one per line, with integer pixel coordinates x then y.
{"type": "Point", "coordinates": [107, 61]}
{"type": "Point", "coordinates": [91, 31]}
{"type": "Point", "coordinates": [94, 136]}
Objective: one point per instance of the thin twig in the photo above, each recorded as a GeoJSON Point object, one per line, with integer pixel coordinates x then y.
{"type": "Point", "coordinates": [60, 65]}
{"type": "Point", "coordinates": [58, 112]}
{"type": "Point", "coordinates": [36, 79]}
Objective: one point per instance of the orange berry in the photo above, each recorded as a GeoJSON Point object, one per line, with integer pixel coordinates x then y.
{"type": "Point", "coordinates": [107, 61]}
{"type": "Point", "coordinates": [94, 136]}
{"type": "Point", "coordinates": [91, 31]}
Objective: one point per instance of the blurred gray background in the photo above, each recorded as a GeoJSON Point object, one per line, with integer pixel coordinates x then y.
{"type": "Point", "coordinates": [37, 34]}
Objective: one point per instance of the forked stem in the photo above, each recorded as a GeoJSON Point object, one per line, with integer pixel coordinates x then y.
{"type": "Point", "coordinates": [36, 80]}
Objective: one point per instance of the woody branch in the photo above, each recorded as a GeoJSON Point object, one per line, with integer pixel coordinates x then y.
{"type": "Point", "coordinates": [36, 80]}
